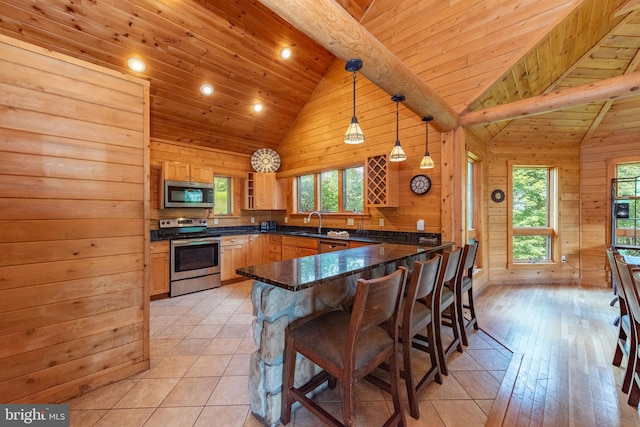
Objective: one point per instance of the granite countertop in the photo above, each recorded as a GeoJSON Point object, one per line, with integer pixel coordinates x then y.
{"type": "Point", "coordinates": [301, 273]}
{"type": "Point", "coordinates": [367, 236]}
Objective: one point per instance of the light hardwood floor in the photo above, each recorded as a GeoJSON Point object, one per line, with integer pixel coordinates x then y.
{"type": "Point", "coordinates": [566, 337]}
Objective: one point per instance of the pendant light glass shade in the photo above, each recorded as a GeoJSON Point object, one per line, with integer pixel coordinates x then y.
{"type": "Point", "coordinates": [427, 161]}
{"type": "Point", "coordinates": [354, 134]}
{"type": "Point", "coordinates": [397, 153]}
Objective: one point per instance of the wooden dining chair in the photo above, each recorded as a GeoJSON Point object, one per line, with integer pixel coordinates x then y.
{"type": "Point", "coordinates": [444, 307]}
{"type": "Point", "coordinates": [464, 287]}
{"type": "Point", "coordinates": [626, 337]}
{"type": "Point", "coordinates": [347, 346]}
{"type": "Point", "coordinates": [629, 285]}
{"type": "Point", "coordinates": [417, 330]}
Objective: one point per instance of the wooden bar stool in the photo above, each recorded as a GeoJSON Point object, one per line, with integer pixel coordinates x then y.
{"type": "Point", "coordinates": [444, 307]}
{"type": "Point", "coordinates": [464, 286]}
{"type": "Point", "coordinates": [416, 319]}
{"type": "Point", "coordinates": [347, 346]}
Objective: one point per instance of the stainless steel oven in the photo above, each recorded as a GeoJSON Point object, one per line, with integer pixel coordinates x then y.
{"type": "Point", "coordinates": [194, 255]}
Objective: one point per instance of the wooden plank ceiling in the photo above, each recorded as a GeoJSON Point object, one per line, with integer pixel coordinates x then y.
{"type": "Point", "coordinates": [234, 45]}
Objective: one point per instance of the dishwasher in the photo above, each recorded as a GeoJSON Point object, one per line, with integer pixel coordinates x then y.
{"type": "Point", "coordinates": [325, 246]}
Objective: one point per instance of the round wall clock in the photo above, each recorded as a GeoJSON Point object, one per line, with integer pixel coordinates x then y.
{"type": "Point", "coordinates": [497, 196]}
{"type": "Point", "coordinates": [420, 184]}
{"type": "Point", "coordinates": [265, 160]}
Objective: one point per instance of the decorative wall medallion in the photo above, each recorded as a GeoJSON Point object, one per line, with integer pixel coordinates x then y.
{"type": "Point", "coordinates": [497, 196]}
{"type": "Point", "coordinates": [265, 160]}
{"type": "Point", "coordinates": [420, 184]}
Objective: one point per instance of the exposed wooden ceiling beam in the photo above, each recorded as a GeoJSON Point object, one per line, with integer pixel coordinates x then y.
{"type": "Point", "coordinates": [605, 90]}
{"type": "Point", "coordinates": [332, 27]}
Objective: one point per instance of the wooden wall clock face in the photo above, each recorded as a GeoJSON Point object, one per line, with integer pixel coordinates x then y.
{"type": "Point", "coordinates": [420, 184]}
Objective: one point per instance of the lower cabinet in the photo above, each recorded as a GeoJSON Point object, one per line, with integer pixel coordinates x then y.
{"type": "Point", "coordinates": [274, 248]}
{"type": "Point", "coordinates": [256, 252]}
{"type": "Point", "coordinates": [159, 268]}
{"type": "Point", "coordinates": [234, 255]}
{"type": "Point", "coordinates": [296, 247]}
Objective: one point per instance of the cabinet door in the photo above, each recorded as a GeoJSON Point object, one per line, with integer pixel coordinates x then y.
{"type": "Point", "coordinates": [255, 249]}
{"type": "Point", "coordinates": [176, 171]}
{"type": "Point", "coordinates": [265, 188]}
{"type": "Point", "coordinates": [159, 268]}
{"type": "Point", "coordinates": [201, 173]}
{"type": "Point", "coordinates": [233, 256]}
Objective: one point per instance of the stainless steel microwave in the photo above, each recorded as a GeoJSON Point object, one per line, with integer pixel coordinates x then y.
{"type": "Point", "coordinates": [182, 194]}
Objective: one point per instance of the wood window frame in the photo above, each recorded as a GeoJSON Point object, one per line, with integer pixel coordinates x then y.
{"type": "Point", "coordinates": [475, 232]}
{"type": "Point", "coordinates": [554, 217]}
{"type": "Point", "coordinates": [317, 194]}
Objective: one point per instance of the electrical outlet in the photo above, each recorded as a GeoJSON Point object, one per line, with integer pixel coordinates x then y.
{"type": "Point", "coordinates": [253, 220]}
{"type": "Point", "coordinates": [564, 258]}
{"type": "Point", "coordinates": [215, 221]}
{"type": "Point", "coordinates": [286, 219]}
{"type": "Point", "coordinates": [381, 222]}
{"type": "Point", "coordinates": [349, 221]}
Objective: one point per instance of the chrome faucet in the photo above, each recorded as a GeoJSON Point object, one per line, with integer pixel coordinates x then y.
{"type": "Point", "coordinates": [319, 220]}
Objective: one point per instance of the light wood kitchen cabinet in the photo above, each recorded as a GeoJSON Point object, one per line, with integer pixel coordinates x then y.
{"type": "Point", "coordinates": [177, 171]}
{"type": "Point", "coordinates": [296, 247]}
{"type": "Point", "coordinates": [159, 268]}
{"type": "Point", "coordinates": [264, 192]}
{"type": "Point", "coordinates": [274, 248]}
{"type": "Point", "coordinates": [233, 254]}
{"type": "Point", "coordinates": [256, 253]}
{"type": "Point", "coordinates": [381, 183]}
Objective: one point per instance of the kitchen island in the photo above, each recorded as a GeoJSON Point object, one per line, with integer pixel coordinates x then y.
{"type": "Point", "coordinates": [287, 290]}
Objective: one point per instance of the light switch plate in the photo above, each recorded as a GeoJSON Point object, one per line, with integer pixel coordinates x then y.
{"type": "Point", "coordinates": [349, 221]}
{"type": "Point", "coordinates": [215, 221]}
{"type": "Point", "coordinates": [381, 222]}
{"type": "Point", "coordinates": [253, 220]}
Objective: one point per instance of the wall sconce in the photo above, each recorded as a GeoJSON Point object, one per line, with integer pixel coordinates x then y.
{"type": "Point", "coordinates": [397, 153]}
{"type": "Point", "coordinates": [206, 89]}
{"type": "Point", "coordinates": [136, 64]}
{"type": "Point", "coordinates": [354, 134]}
{"type": "Point", "coordinates": [427, 161]}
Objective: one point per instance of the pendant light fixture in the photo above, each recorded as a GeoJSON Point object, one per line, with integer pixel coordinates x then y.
{"type": "Point", "coordinates": [427, 161]}
{"type": "Point", "coordinates": [397, 154]}
{"type": "Point", "coordinates": [354, 134]}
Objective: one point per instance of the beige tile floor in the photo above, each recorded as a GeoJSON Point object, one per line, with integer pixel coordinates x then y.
{"type": "Point", "coordinates": [200, 349]}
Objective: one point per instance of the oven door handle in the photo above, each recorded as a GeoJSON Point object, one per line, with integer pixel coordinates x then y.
{"type": "Point", "coordinates": [193, 242]}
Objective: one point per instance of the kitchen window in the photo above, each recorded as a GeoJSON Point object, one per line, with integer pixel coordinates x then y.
{"type": "Point", "coordinates": [332, 191]}
{"type": "Point", "coordinates": [222, 195]}
{"type": "Point", "coordinates": [533, 213]}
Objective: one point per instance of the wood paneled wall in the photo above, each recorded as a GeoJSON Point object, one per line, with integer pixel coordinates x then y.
{"type": "Point", "coordinates": [74, 179]}
{"type": "Point", "coordinates": [522, 143]}
{"type": "Point", "coordinates": [315, 144]}
{"type": "Point", "coordinates": [612, 143]}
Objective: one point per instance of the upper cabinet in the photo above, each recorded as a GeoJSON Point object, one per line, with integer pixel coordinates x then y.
{"type": "Point", "coordinates": [264, 192]}
{"type": "Point", "coordinates": [381, 183]}
{"type": "Point", "coordinates": [176, 171]}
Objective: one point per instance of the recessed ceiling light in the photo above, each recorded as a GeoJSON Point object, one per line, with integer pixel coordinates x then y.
{"type": "Point", "coordinates": [136, 64]}
{"type": "Point", "coordinates": [206, 89]}
{"type": "Point", "coordinates": [257, 107]}
{"type": "Point", "coordinates": [285, 52]}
